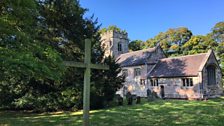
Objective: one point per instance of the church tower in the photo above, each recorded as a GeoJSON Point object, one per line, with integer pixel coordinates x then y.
{"type": "Point", "coordinates": [114, 43]}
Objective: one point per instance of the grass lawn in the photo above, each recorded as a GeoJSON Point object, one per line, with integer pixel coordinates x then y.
{"type": "Point", "coordinates": [157, 113]}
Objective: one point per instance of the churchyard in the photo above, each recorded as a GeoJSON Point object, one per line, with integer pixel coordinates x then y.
{"type": "Point", "coordinates": [59, 66]}
{"type": "Point", "coordinates": [154, 113]}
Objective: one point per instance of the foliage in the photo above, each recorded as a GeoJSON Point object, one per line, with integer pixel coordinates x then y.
{"type": "Point", "coordinates": [220, 54]}
{"type": "Point", "coordinates": [199, 44]}
{"type": "Point", "coordinates": [218, 32]}
{"type": "Point", "coordinates": [69, 25]}
{"type": "Point", "coordinates": [135, 45]}
{"type": "Point", "coordinates": [218, 35]}
{"type": "Point", "coordinates": [177, 36]}
{"type": "Point", "coordinates": [22, 54]}
{"type": "Point", "coordinates": [112, 28]}
{"type": "Point", "coordinates": [35, 37]}
{"type": "Point", "coordinates": [106, 84]}
{"type": "Point", "coordinates": [175, 47]}
{"type": "Point", "coordinates": [63, 27]}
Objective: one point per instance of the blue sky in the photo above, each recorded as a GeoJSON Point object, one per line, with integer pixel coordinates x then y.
{"type": "Point", "coordinates": [144, 19]}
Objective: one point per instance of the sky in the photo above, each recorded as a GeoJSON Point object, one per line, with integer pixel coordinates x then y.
{"type": "Point", "coordinates": [144, 19]}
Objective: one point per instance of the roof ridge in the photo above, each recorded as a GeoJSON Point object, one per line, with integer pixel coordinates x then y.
{"type": "Point", "coordinates": [184, 56]}
{"type": "Point", "coordinates": [137, 51]}
{"type": "Point", "coordinates": [205, 60]}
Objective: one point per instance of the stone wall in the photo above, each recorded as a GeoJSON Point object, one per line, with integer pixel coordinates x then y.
{"type": "Point", "coordinates": [215, 89]}
{"type": "Point", "coordinates": [156, 55]}
{"type": "Point", "coordinates": [173, 88]}
{"type": "Point", "coordinates": [106, 38]}
{"type": "Point", "coordinates": [110, 40]}
{"type": "Point", "coordinates": [132, 83]}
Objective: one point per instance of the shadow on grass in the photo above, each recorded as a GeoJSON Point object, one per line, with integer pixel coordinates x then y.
{"type": "Point", "coordinates": [48, 119]}
{"type": "Point", "coordinates": [156, 113]}
{"type": "Point", "coordinates": [164, 113]}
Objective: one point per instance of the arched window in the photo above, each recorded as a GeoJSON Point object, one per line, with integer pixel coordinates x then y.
{"type": "Point", "coordinates": [119, 47]}
{"type": "Point", "coordinates": [211, 75]}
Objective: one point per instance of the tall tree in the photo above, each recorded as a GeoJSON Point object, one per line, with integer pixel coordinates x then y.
{"type": "Point", "coordinates": [171, 40]}
{"type": "Point", "coordinates": [199, 44]}
{"type": "Point", "coordinates": [106, 84]}
{"type": "Point", "coordinates": [218, 35]}
{"type": "Point", "coordinates": [64, 28]}
{"type": "Point", "coordinates": [220, 54]}
{"type": "Point", "coordinates": [136, 45]}
{"type": "Point", "coordinates": [22, 55]}
{"type": "Point", "coordinates": [218, 32]}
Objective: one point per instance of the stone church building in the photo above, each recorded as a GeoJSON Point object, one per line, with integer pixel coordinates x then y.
{"type": "Point", "coordinates": [189, 77]}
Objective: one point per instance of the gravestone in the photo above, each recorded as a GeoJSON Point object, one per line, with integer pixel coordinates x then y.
{"type": "Point", "coordinates": [154, 95]}
{"type": "Point", "coordinates": [149, 95]}
{"type": "Point", "coordinates": [119, 99]}
{"type": "Point", "coordinates": [129, 98]}
{"type": "Point", "coordinates": [138, 100]}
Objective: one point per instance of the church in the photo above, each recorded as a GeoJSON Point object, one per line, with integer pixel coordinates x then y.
{"type": "Point", "coordinates": [184, 77]}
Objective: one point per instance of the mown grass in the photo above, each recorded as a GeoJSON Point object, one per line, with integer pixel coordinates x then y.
{"type": "Point", "coordinates": [156, 113]}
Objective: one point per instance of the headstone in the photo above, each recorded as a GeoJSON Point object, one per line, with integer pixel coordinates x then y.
{"type": "Point", "coordinates": [134, 97]}
{"type": "Point", "coordinates": [129, 98]}
{"type": "Point", "coordinates": [149, 95]}
{"type": "Point", "coordinates": [138, 100]}
{"type": "Point", "coordinates": [119, 100]}
{"type": "Point", "coordinates": [124, 90]}
{"type": "Point", "coordinates": [154, 95]}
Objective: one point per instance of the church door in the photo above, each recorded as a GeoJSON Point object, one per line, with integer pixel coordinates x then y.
{"type": "Point", "coordinates": [211, 75]}
{"type": "Point", "coordinates": [162, 92]}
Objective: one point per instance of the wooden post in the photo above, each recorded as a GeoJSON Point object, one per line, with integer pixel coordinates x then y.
{"type": "Point", "coordinates": [86, 93]}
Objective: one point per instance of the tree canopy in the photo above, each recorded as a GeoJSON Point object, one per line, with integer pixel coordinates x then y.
{"type": "Point", "coordinates": [171, 40]}
{"type": "Point", "coordinates": [35, 37]}
{"type": "Point", "coordinates": [218, 32]}
{"type": "Point", "coordinates": [135, 45]}
{"type": "Point", "coordinates": [218, 35]}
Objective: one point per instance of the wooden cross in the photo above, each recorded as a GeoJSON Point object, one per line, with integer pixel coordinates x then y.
{"type": "Point", "coordinates": [88, 66]}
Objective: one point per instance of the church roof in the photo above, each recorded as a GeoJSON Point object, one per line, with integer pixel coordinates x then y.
{"type": "Point", "coordinates": [179, 66]}
{"type": "Point", "coordinates": [135, 58]}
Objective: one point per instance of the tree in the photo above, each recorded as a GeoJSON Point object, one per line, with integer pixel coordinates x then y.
{"type": "Point", "coordinates": [136, 45]}
{"type": "Point", "coordinates": [56, 32]}
{"type": "Point", "coordinates": [218, 35]}
{"type": "Point", "coordinates": [63, 27]}
{"type": "Point", "coordinates": [171, 40]}
{"type": "Point", "coordinates": [22, 55]}
{"type": "Point", "coordinates": [106, 84]}
{"type": "Point", "coordinates": [157, 39]}
{"type": "Point", "coordinates": [199, 44]}
{"type": "Point", "coordinates": [218, 32]}
{"type": "Point", "coordinates": [220, 54]}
